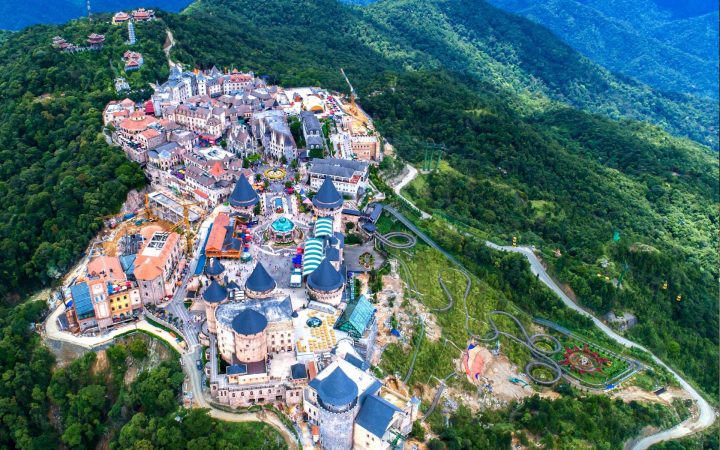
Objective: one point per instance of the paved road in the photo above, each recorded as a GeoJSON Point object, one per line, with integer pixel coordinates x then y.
{"type": "Point", "coordinates": [176, 306]}
{"type": "Point", "coordinates": [409, 176]}
{"type": "Point", "coordinates": [52, 332]}
{"type": "Point", "coordinates": [200, 401]}
{"type": "Point", "coordinates": [706, 416]}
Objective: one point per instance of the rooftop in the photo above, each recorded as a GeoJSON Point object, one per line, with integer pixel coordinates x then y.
{"type": "Point", "coordinates": [243, 196]}
{"type": "Point", "coordinates": [274, 310]}
{"type": "Point", "coordinates": [249, 322]}
{"type": "Point", "coordinates": [327, 196]}
{"type": "Point", "coordinates": [325, 278]}
{"type": "Point", "coordinates": [260, 280]}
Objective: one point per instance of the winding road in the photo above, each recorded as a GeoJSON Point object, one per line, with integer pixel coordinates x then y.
{"type": "Point", "coordinates": [706, 415]}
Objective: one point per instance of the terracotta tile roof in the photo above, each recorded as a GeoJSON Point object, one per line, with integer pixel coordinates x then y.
{"type": "Point", "coordinates": [217, 234]}
{"type": "Point", "coordinates": [217, 169]}
{"type": "Point", "coordinates": [149, 262]}
{"type": "Point", "coordinates": [150, 133]}
{"type": "Point", "coordinates": [107, 267]}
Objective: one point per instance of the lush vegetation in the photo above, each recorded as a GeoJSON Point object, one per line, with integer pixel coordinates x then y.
{"type": "Point", "coordinates": [567, 181]}
{"type": "Point", "coordinates": [96, 402]}
{"type": "Point", "coordinates": [57, 173]}
{"type": "Point", "coordinates": [568, 423]}
{"type": "Point", "coordinates": [675, 52]}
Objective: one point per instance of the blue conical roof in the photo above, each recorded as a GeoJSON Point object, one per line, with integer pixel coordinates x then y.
{"type": "Point", "coordinates": [249, 322]}
{"type": "Point", "coordinates": [325, 278]}
{"type": "Point", "coordinates": [327, 196]}
{"type": "Point", "coordinates": [260, 280]}
{"type": "Point", "coordinates": [215, 293]}
{"type": "Point", "coordinates": [214, 267]}
{"type": "Point", "coordinates": [243, 196]}
{"type": "Point", "coordinates": [337, 389]}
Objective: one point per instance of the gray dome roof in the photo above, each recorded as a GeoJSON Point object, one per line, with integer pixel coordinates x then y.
{"type": "Point", "coordinates": [243, 195]}
{"type": "Point", "coordinates": [215, 293]}
{"type": "Point", "coordinates": [325, 278]}
{"type": "Point", "coordinates": [337, 389]}
{"type": "Point", "coordinates": [260, 280]}
{"type": "Point", "coordinates": [214, 267]}
{"type": "Point", "coordinates": [249, 322]}
{"type": "Point", "coordinates": [327, 196]}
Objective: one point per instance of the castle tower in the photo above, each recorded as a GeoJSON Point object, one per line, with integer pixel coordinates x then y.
{"type": "Point", "coordinates": [213, 296]}
{"type": "Point", "coordinates": [328, 202]}
{"type": "Point", "coordinates": [260, 284]}
{"type": "Point", "coordinates": [338, 406]}
{"type": "Point", "coordinates": [326, 284]}
{"type": "Point", "coordinates": [244, 198]}
{"type": "Point", "coordinates": [214, 268]}
{"type": "Point", "coordinates": [250, 340]}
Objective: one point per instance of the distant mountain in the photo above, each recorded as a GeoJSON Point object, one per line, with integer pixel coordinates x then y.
{"type": "Point", "coordinates": [670, 45]}
{"type": "Point", "coordinates": [17, 14]}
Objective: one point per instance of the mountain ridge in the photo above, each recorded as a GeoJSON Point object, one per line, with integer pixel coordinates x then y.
{"type": "Point", "coordinates": [636, 38]}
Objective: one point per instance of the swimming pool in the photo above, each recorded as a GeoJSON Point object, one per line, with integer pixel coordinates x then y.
{"type": "Point", "coordinates": [278, 204]}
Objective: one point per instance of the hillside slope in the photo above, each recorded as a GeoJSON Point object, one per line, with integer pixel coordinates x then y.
{"type": "Point", "coordinates": [526, 59]}
{"type": "Point", "coordinates": [559, 177]}
{"type": "Point", "coordinates": [637, 38]}
{"type": "Point", "coordinates": [57, 173]}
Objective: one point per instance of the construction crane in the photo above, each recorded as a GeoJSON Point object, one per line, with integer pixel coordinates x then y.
{"type": "Point", "coordinates": [148, 211]}
{"type": "Point", "coordinates": [185, 224]}
{"type": "Point", "coordinates": [354, 111]}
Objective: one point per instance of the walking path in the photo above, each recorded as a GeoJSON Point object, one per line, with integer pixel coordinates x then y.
{"type": "Point", "coordinates": [706, 415]}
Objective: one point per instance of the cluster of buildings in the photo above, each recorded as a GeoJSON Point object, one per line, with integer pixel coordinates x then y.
{"type": "Point", "coordinates": [308, 352]}
{"type": "Point", "coordinates": [137, 15]}
{"type": "Point", "coordinates": [94, 42]}
{"type": "Point", "coordinates": [133, 60]}
{"type": "Point", "coordinates": [176, 133]}
{"type": "Point", "coordinates": [114, 289]}
{"type": "Point", "coordinates": [306, 345]}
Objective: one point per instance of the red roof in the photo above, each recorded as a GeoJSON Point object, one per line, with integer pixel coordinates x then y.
{"type": "Point", "coordinates": [217, 234]}
{"type": "Point", "coordinates": [217, 169]}
{"type": "Point", "coordinates": [149, 107]}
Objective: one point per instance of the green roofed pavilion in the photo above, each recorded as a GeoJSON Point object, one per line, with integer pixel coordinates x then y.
{"type": "Point", "coordinates": [356, 317]}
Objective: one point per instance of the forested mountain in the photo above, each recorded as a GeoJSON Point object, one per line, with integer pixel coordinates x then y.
{"type": "Point", "coordinates": [501, 93]}
{"type": "Point", "coordinates": [57, 173]}
{"type": "Point", "coordinates": [672, 46]}
{"type": "Point", "coordinates": [562, 178]}
{"type": "Point", "coordinates": [17, 14]}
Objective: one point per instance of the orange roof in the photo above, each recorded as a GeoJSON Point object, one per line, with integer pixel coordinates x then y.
{"type": "Point", "coordinates": [121, 113]}
{"type": "Point", "coordinates": [217, 169]}
{"type": "Point", "coordinates": [201, 193]}
{"type": "Point", "coordinates": [312, 371]}
{"type": "Point", "coordinates": [107, 267]}
{"type": "Point", "coordinates": [217, 234]}
{"type": "Point", "coordinates": [138, 121]}
{"type": "Point", "coordinates": [150, 262]}
{"type": "Point", "coordinates": [150, 133]}
{"type": "Point", "coordinates": [148, 231]}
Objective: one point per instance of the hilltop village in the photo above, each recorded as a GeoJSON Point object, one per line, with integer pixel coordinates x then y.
{"type": "Point", "coordinates": [238, 248]}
